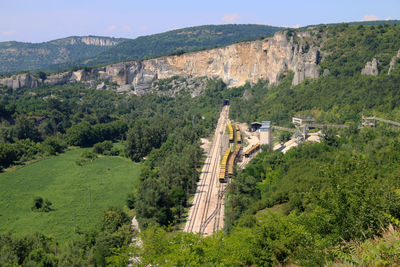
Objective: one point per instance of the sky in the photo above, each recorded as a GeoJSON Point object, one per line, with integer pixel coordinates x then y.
{"type": "Point", "coordinates": [44, 20]}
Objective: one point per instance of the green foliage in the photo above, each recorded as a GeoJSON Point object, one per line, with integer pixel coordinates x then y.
{"type": "Point", "coordinates": [40, 204]}
{"type": "Point", "coordinates": [89, 249]}
{"type": "Point", "coordinates": [103, 148]}
{"type": "Point", "coordinates": [131, 200]}
{"type": "Point", "coordinates": [113, 218]}
{"type": "Point", "coordinates": [349, 48]}
{"type": "Point", "coordinates": [328, 99]}
{"type": "Point", "coordinates": [53, 146]}
{"type": "Point", "coordinates": [379, 251]}
{"type": "Point", "coordinates": [284, 136]}
{"type": "Point", "coordinates": [337, 190]}
{"type": "Point", "coordinates": [143, 137]}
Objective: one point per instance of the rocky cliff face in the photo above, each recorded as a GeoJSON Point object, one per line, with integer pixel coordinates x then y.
{"type": "Point", "coordinates": [393, 62]}
{"type": "Point", "coordinates": [371, 68]}
{"type": "Point", "coordinates": [234, 64]}
{"type": "Point", "coordinates": [88, 40]}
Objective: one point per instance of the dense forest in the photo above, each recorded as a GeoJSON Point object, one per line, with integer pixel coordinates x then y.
{"type": "Point", "coordinates": [317, 204]}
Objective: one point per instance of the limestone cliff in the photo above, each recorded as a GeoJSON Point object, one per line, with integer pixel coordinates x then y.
{"type": "Point", "coordinates": [234, 64]}
{"type": "Point", "coordinates": [371, 68]}
{"type": "Point", "coordinates": [393, 62]}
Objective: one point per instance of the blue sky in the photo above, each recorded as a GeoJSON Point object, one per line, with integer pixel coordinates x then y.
{"type": "Point", "coordinates": [43, 20]}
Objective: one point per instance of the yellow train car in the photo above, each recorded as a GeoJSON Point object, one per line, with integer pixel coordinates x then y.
{"type": "Point", "coordinates": [224, 162]}
{"type": "Point", "coordinates": [232, 160]}
{"type": "Point", "coordinates": [251, 150]}
{"type": "Point", "coordinates": [238, 137]}
{"type": "Point", "coordinates": [230, 133]}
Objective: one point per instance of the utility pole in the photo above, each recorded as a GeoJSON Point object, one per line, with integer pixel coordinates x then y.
{"type": "Point", "coordinates": [55, 246]}
{"type": "Point", "coordinates": [90, 196]}
{"type": "Point", "coordinates": [74, 220]}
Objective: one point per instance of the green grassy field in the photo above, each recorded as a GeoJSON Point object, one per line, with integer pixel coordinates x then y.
{"type": "Point", "coordinates": [68, 186]}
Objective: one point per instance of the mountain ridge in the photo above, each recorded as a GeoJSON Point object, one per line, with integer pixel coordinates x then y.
{"type": "Point", "coordinates": [21, 56]}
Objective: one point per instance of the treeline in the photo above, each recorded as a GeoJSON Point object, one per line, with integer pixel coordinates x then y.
{"type": "Point", "coordinates": [24, 143]}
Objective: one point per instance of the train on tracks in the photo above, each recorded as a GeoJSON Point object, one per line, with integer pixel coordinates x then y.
{"type": "Point", "coordinates": [230, 128]}
{"type": "Point", "coordinates": [251, 150]}
{"type": "Point", "coordinates": [238, 135]}
{"type": "Point", "coordinates": [224, 162]}
{"type": "Point", "coordinates": [230, 158]}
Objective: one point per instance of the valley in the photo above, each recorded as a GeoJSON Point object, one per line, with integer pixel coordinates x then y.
{"type": "Point", "coordinates": [317, 178]}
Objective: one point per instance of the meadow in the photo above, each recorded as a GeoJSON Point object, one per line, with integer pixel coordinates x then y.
{"type": "Point", "coordinates": [79, 194]}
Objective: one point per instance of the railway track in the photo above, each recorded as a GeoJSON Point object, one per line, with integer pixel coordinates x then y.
{"type": "Point", "coordinates": [205, 196]}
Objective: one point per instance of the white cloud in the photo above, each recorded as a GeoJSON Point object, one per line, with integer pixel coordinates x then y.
{"type": "Point", "coordinates": [370, 18]}
{"type": "Point", "coordinates": [111, 28]}
{"type": "Point", "coordinates": [126, 28]}
{"type": "Point", "coordinates": [230, 18]}
{"type": "Point", "coordinates": [294, 26]}
{"type": "Point", "coordinates": [11, 32]}
{"type": "Point", "coordinates": [389, 18]}
{"type": "Point", "coordinates": [143, 28]}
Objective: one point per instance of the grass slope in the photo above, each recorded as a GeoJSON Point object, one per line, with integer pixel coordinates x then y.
{"type": "Point", "coordinates": [66, 185]}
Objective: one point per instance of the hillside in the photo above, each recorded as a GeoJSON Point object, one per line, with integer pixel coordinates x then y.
{"type": "Point", "coordinates": [86, 190]}
{"type": "Point", "coordinates": [72, 51]}
{"type": "Point", "coordinates": [19, 56]}
{"type": "Point", "coordinates": [182, 40]}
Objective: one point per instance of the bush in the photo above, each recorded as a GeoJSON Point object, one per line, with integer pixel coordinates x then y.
{"type": "Point", "coordinates": [52, 146]}
{"type": "Point", "coordinates": [104, 148]}
{"type": "Point", "coordinates": [131, 200]}
{"type": "Point", "coordinates": [86, 156]}
{"type": "Point", "coordinates": [40, 204]}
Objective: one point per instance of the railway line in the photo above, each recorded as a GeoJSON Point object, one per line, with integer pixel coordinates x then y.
{"type": "Point", "coordinates": [206, 214]}
{"type": "Point", "coordinates": [208, 200]}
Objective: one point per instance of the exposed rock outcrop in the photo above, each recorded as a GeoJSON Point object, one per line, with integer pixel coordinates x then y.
{"type": "Point", "coordinates": [393, 62]}
{"type": "Point", "coordinates": [88, 40]}
{"type": "Point", "coordinates": [21, 81]}
{"type": "Point", "coordinates": [371, 68]}
{"type": "Point", "coordinates": [234, 64]}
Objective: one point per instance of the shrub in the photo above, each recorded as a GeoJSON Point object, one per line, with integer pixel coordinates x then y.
{"type": "Point", "coordinates": [52, 146]}
{"type": "Point", "coordinates": [104, 148]}
{"type": "Point", "coordinates": [131, 200]}
{"type": "Point", "coordinates": [40, 204]}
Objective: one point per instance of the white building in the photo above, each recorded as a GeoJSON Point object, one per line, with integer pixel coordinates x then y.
{"type": "Point", "coordinates": [266, 133]}
{"type": "Point", "coordinates": [302, 120]}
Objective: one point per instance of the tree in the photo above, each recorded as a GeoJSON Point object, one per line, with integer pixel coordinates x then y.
{"type": "Point", "coordinates": [40, 204]}
{"type": "Point", "coordinates": [25, 128]}
{"type": "Point", "coordinates": [131, 200]}
{"type": "Point", "coordinates": [81, 134]}
{"type": "Point", "coordinates": [113, 218]}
